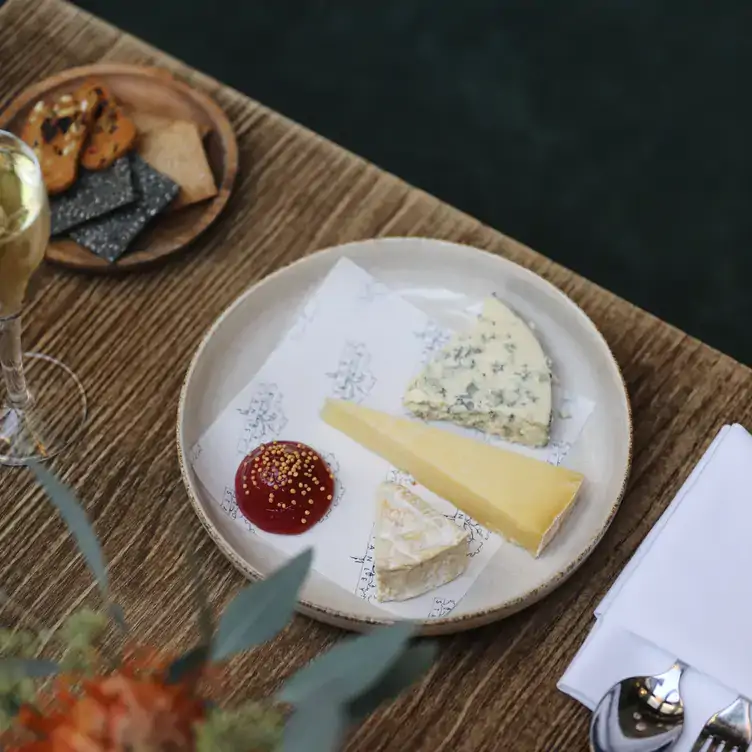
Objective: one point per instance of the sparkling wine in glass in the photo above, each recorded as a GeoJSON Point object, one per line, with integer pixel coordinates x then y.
{"type": "Point", "coordinates": [42, 403]}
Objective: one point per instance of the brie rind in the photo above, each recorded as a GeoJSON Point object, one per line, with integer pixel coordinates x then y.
{"type": "Point", "coordinates": [416, 548]}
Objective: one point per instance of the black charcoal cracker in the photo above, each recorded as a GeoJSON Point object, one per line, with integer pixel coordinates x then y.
{"type": "Point", "coordinates": [110, 236]}
{"type": "Point", "coordinates": [94, 194]}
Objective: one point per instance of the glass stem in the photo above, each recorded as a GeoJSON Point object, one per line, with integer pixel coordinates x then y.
{"type": "Point", "coordinates": [11, 361]}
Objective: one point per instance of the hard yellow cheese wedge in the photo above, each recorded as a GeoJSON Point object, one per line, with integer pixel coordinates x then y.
{"type": "Point", "coordinates": [523, 499]}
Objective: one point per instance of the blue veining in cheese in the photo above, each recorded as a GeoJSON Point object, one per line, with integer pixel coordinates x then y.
{"type": "Point", "coordinates": [495, 378]}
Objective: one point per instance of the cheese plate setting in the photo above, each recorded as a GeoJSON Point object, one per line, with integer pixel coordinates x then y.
{"type": "Point", "coordinates": [446, 430]}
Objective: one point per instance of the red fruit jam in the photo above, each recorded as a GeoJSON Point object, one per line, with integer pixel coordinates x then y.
{"type": "Point", "coordinates": [284, 487]}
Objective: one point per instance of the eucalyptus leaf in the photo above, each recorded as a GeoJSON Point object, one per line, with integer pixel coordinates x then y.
{"type": "Point", "coordinates": [191, 662]}
{"type": "Point", "coordinates": [205, 621]}
{"type": "Point", "coordinates": [117, 615]}
{"type": "Point", "coordinates": [10, 707]}
{"type": "Point", "coordinates": [316, 726]}
{"type": "Point", "coordinates": [30, 668]}
{"type": "Point", "coordinates": [77, 522]}
{"type": "Point", "coordinates": [411, 666]}
{"type": "Point", "coordinates": [350, 668]}
{"type": "Point", "coordinates": [259, 611]}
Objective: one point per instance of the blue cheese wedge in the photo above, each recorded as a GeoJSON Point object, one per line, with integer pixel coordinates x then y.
{"type": "Point", "coordinates": [416, 549]}
{"type": "Point", "coordinates": [495, 378]}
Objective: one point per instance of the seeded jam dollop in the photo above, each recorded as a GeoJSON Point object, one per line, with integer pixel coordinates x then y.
{"type": "Point", "coordinates": [284, 487]}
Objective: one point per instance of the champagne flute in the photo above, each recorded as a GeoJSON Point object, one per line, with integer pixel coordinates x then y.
{"type": "Point", "coordinates": [42, 403]}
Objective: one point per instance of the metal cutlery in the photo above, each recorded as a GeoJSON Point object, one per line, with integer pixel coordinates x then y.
{"type": "Point", "coordinates": [729, 730]}
{"type": "Point", "coordinates": [639, 714]}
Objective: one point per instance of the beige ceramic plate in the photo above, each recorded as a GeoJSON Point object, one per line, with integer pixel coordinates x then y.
{"type": "Point", "coordinates": [443, 279]}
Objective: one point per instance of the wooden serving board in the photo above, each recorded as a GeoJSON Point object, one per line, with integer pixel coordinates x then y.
{"type": "Point", "coordinates": [157, 92]}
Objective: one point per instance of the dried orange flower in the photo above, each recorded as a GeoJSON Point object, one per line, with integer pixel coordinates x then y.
{"type": "Point", "coordinates": [116, 713]}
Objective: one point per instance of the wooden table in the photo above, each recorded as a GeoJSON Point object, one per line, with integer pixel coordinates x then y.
{"type": "Point", "coordinates": [130, 340]}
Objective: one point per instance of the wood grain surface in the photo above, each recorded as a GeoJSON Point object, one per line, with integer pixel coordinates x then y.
{"type": "Point", "coordinates": [130, 340]}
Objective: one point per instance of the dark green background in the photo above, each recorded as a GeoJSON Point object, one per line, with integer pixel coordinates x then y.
{"type": "Point", "coordinates": [613, 136]}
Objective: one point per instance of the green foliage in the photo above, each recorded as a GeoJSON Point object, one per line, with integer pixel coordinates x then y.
{"type": "Point", "coordinates": [334, 690]}
{"type": "Point", "coordinates": [261, 610]}
{"type": "Point", "coordinates": [15, 687]}
{"type": "Point", "coordinates": [189, 664]}
{"type": "Point", "coordinates": [194, 659]}
{"type": "Point", "coordinates": [348, 682]}
{"type": "Point", "coordinates": [80, 528]}
{"type": "Point", "coordinates": [317, 725]}
{"type": "Point", "coordinates": [15, 691]}
{"type": "Point", "coordinates": [412, 665]}
{"type": "Point", "coordinates": [81, 634]}
{"type": "Point", "coordinates": [77, 522]}
{"type": "Point", "coordinates": [18, 643]}
{"type": "Point", "coordinates": [205, 621]}
{"type": "Point", "coordinates": [28, 668]}
{"type": "Point", "coordinates": [252, 726]}
{"type": "Point", "coordinates": [350, 668]}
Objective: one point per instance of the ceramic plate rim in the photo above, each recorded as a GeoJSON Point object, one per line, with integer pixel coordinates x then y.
{"type": "Point", "coordinates": [353, 622]}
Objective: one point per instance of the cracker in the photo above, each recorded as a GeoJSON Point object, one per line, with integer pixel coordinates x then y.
{"type": "Point", "coordinates": [111, 235]}
{"type": "Point", "coordinates": [56, 132]}
{"type": "Point", "coordinates": [148, 121]}
{"type": "Point", "coordinates": [92, 195]}
{"type": "Point", "coordinates": [112, 132]}
{"type": "Point", "coordinates": [176, 151]}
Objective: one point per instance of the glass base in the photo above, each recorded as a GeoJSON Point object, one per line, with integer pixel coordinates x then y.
{"type": "Point", "coordinates": [51, 421]}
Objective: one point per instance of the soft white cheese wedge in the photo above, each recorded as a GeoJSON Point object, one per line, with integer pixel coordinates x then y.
{"type": "Point", "coordinates": [416, 549]}
{"type": "Point", "coordinates": [495, 378]}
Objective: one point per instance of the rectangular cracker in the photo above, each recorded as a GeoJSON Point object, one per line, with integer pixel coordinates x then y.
{"type": "Point", "coordinates": [92, 195]}
{"type": "Point", "coordinates": [148, 121]}
{"type": "Point", "coordinates": [176, 151]}
{"type": "Point", "coordinates": [111, 235]}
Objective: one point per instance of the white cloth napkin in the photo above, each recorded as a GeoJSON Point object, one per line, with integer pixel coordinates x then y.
{"type": "Point", "coordinates": [685, 594]}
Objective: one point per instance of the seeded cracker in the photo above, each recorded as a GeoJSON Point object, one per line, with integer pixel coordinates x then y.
{"type": "Point", "coordinates": [56, 132]}
{"type": "Point", "coordinates": [110, 236]}
{"type": "Point", "coordinates": [112, 135]}
{"type": "Point", "coordinates": [92, 195]}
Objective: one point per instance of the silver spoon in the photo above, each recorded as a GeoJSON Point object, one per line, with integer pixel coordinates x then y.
{"type": "Point", "coordinates": [639, 714]}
